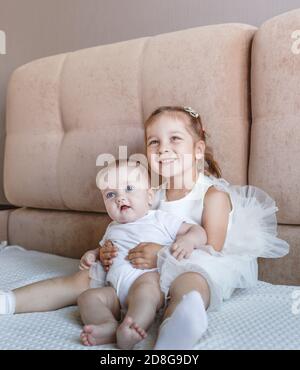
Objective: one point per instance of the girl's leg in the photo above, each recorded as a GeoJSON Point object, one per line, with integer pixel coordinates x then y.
{"type": "Point", "coordinates": [183, 284]}
{"type": "Point", "coordinates": [185, 316]}
{"type": "Point", "coordinates": [144, 300]}
{"type": "Point", "coordinates": [50, 294]}
{"type": "Point", "coordinates": [100, 311]}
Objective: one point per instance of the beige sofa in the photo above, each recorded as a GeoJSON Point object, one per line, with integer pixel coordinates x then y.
{"type": "Point", "coordinates": [65, 110]}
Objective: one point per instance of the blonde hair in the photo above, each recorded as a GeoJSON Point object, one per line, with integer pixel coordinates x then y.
{"type": "Point", "coordinates": [114, 165]}
{"type": "Point", "coordinates": [197, 131]}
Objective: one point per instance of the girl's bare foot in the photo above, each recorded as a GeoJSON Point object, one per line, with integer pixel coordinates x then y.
{"type": "Point", "coordinates": [129, 333]}
{"type": "Point", "coordinates": [93, 335]}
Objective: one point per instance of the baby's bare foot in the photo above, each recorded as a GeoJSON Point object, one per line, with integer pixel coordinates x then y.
{"type": "Point", "coordinates": [129, 333]}
{"type": "Point", "coordinates": [93, 335]}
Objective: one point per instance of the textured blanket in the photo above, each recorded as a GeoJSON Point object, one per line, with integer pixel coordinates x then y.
{"type": "Point", "coordinates": [264, 317]}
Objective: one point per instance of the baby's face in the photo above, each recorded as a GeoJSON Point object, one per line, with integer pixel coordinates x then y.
{"type": "Point", "coordinates": [128, 196]}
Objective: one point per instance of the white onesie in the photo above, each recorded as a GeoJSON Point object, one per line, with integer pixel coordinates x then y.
{"type": "Point", "coordinates": [156, 226]}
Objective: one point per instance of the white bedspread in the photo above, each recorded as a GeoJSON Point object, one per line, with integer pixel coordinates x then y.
{"type": "Point", "coordinates": [258, 318]}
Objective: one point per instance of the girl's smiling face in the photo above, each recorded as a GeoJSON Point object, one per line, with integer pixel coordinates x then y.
{"type": "Point", "coordinates": [171, 148]}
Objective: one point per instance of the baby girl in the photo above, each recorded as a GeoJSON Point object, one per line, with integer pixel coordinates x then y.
{"type": "Point", "coordinates": [128, 198]}
{"type": "Point", "coordinates": [101, 296]}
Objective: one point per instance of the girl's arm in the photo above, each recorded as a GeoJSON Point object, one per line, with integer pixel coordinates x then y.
{"type": "Point", "coordinates": [215, 217]}
{"type": "Point", "coordinates": [217, 206]}
{"type": "Point", "coordinates": [195, 233]}
{"type": "Point", "coordinates": [189, 237]}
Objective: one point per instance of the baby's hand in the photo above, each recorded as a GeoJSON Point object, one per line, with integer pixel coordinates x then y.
{"type": "Point", "coordinates": [107, 253]}
{"type": "Point", "coordinates": [88, 259]}
{"type": "Point", "coordinates": [182, 248]}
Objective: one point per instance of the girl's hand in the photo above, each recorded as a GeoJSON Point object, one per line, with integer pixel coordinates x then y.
{"type": "Point", "coordinates": [107, 253]}
{"type": "Point", "coordinates": [144, 255]}
{"type": "Point", "coordinates": [182, 248]}
{"type": "Point", "coordinates": [88, 259]}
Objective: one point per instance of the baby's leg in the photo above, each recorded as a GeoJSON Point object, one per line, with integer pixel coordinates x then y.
{"type": "Point", "coordinates": [100, 311]}
{"type": "Point", "coordinates": [186, 315]}
{"type": "Point", "coordinates": [49, 294]}
{"type": "Point", "coordinates": [144, 299]}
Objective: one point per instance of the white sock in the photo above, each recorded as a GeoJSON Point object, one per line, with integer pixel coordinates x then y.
{"type": "Point", "coordinates": [185, 326]}
{"type": "Point", "coordinates": [7, 303]}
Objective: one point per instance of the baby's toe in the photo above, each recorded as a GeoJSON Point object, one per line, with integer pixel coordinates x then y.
{"type": "Point", "coordinates": [84, 340]}
{"type": "Point", "coordinates": [128, 321]}
{"type": "Point", "coordinates": [82, 335]}
{"type": "Point", "coordinates": [142, 333]}
{"type": "Point", "coordinates": [139, 330]}
{"type": "Point", "coordinates": [87, 329]}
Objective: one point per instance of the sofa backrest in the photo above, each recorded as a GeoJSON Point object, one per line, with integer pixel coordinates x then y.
{"type": "Point", "coordinates": [63, 111]}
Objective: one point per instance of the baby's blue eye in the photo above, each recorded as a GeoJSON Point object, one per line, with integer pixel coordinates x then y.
{"type": "Point", "coordinates": [153, 142]}
{"type": "Point", "coordinates": [110, 195]}
{"type": "Point", "coordinates": [175, 138]}
{"type": "Point", "coordinates": [129, 188]}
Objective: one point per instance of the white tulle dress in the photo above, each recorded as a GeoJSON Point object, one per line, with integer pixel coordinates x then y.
{"type": "Point", "coordinates": [251, 233]}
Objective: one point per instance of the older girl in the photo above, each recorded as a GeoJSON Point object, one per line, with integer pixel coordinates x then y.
{"type": "Point", "coordinates": [240, 223]}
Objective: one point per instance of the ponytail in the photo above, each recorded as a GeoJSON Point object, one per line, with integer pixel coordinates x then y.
{"type": "Point", "coordinates": [212, 166]}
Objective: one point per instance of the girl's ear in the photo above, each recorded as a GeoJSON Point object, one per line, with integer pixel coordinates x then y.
{"type": "Point", "coordinates": [199, 149]}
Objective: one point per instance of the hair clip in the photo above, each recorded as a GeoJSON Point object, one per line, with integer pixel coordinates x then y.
{"type": "Point", "coordinates": [191, 111]}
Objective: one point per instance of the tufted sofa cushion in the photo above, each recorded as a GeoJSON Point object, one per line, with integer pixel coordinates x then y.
{"type": "Point", "coordinates": [65, 110]}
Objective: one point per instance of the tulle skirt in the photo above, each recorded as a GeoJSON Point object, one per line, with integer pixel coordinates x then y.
{"type": "Point", "coordinates": [253, 229]}
{"type": "Point", "coordinates": [252, 233]}
{"type": "Point", "coordinates": [223, 273]}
